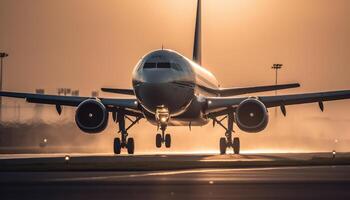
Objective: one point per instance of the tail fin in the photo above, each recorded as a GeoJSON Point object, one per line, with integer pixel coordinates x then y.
{"type": "Point", "coordinates": [197, 46]}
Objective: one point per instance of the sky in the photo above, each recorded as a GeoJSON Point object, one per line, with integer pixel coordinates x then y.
{"type": "Point", "coordinates": [88, 44]}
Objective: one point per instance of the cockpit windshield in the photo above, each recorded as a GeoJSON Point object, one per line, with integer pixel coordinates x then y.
{"type": "Point", "coordinates": [150, 65]}
{"type": "Point", "coordinates": [162, 65]}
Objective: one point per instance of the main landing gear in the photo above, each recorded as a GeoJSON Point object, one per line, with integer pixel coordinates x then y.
{"type": "Point", "coordinates": [124, 141]}
{"type": "Point", "coordinates": [129, 144]}
{"type": "Point", "coordinates": [227, 141]}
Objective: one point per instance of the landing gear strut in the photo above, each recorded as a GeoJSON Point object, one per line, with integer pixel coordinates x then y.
{"type": "Point", "coordinates": [124, 141]}
{"type": "Point", "coordinates": [227, 141]}
{"type": "Point", "coordinates": [162, 117]}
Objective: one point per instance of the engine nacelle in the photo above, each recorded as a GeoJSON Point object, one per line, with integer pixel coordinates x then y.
{"type": "Point", "coordinates": [91, 116]}
{"type": "Point", "coordinates": [252, 116]}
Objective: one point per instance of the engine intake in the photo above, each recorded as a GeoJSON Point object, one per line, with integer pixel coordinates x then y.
{"type": "Point", "coordinates": [91, 116]}
{"type": "Point", "coordinates": [252, 115]}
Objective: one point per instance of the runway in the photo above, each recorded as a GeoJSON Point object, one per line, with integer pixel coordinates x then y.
{"type": "Point", "coordinates": [110, 162]}
{"type": "Point", "coordinates": [321, 182]}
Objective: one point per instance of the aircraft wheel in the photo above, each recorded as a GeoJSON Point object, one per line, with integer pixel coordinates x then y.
{"type": "Point", "coordinates": [236, 145]}
{"type": "Point", "coordinates": [223, 145]}
{"type": "Point", "coordinates": [167, 140]}
{"type": "Point", "coordinates": [158, 140]}
{"type": "Point", "coordinates": [117, 146]}
{"type": "Point", "coordinates": [130, 145]}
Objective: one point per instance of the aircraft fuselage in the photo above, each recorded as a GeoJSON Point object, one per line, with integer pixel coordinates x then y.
{"type": "Point", "coordinates": [165, 78]}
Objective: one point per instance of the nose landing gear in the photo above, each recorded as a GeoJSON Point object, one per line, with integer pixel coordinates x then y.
{"type": "Point", "coordinates": [162, 117]}
{"type": "Point", "coordinates": [163, 138]}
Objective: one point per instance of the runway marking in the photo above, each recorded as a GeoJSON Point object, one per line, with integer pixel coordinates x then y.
{"type": "Point", "coordinates": [182, 172]}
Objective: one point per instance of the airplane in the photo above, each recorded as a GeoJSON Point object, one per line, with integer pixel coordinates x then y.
{"type": "Point", "coordinates": [170, 89]}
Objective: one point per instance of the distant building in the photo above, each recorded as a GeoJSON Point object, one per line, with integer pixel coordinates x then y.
{"type": "Point", "coordinates": [63, 91]}
{"type": "Point", "coordinates": [40, 91]}
{"type": "Point", "coordinates": [94, 93]}
{"type": "Point", "coordinates": [75, 92]}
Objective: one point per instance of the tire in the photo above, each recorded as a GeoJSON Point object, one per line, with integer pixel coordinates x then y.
{"type": "Point", "coordinates": [223, 145]}
{"type": "Point", "coordinates": [158, 140]}
{"type": "Point", "coordinates": [236, 145]}
{"type": "Point", "coordinates": [130, 146]}
{"type": "Point", "coordinates": [167, 140]}
{"type": "Point", "coordinates": [117, 146]}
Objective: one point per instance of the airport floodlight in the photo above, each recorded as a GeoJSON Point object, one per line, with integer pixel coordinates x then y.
{"type": "Point", "coordinates": [276, 67]}
{"type": "Point", "coordinates": [2, 56]}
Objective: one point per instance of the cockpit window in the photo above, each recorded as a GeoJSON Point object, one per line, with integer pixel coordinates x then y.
{"type": "Point", "coordinates": [149, 65]}
{"type": "Point", "coordinates": [176, 66]}
{"type": "Point", "coordinates": [163, 65]}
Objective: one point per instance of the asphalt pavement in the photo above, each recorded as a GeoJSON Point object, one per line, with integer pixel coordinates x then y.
{"type": "Point", "coordinates": [320, 182]}
{"type": "Point", "coordinates": [260, 176]}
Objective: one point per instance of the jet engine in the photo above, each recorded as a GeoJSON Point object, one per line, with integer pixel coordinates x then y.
{"type": "Point", "coordinates": [91, 116]}
{"type": "Point", "coordinates": [252, 115]}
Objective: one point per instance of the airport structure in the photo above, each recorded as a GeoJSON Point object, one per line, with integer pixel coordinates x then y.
{"type": "Point", "coordinates": [172, 90]}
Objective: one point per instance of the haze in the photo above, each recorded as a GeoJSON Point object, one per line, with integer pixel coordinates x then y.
{"type": "Point", "coordinates": [88, 44]}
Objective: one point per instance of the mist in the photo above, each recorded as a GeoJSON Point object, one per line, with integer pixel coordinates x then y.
{"type": "Point", "coordinates": [304, 129]}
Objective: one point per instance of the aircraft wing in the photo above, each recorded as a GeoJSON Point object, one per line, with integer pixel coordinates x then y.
{"type": "Point", "coordinates": [223, 92]}
{"type": "Point", "coordinates": [119, 91]}
{"type": "Point", "coordinates": [221, 103]}
{"type": "Point", "coordinates": [70, 100]}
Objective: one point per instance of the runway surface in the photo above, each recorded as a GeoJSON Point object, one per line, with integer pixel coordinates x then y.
{"type": "Point", "coordinates": [322, 182]}
{"type": "Point", "coordinates": [103, 162]}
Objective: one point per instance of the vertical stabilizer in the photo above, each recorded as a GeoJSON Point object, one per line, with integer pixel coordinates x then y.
{"type": "Point", "coordinates": [197, 47]}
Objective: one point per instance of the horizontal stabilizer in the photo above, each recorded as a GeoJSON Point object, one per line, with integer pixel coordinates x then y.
{"type": "Point", "coordinates": [246, 90]}
{"type": "Point", "coordinates": [119, 91]}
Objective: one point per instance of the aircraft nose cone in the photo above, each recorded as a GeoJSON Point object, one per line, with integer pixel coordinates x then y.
{"type": "Point", "coordinates": [158, 76]}
{"type": "Point", "coordinates": [173, 97]}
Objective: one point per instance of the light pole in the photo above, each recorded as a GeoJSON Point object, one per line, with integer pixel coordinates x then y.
{"type": "Point", "coordinates": [2, 56]}
{"type": "Point", "coordinates": [276, 67]}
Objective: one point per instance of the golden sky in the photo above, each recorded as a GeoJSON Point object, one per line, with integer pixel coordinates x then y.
{"type": "Point", "coordinates": [87, 44]}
